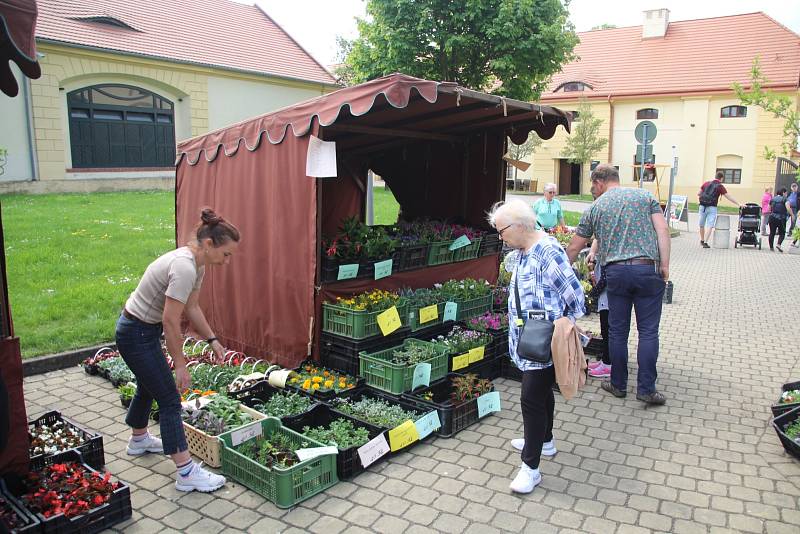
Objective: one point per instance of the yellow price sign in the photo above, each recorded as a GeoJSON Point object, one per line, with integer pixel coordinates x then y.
{"type": "Point", "coordinates": [428, 313]}
{"type": "Point", "coordinates": [459, 362]}
{"type": "Point", "coordinates": [389, 321]}
{"type": "Point", "coordinates": [476, 354]}
{"type": "Point", "coordinates": [403, 435]}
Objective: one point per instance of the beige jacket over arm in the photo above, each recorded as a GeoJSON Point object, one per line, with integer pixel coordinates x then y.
{"type": "Point", "coordinates": [568, 358]}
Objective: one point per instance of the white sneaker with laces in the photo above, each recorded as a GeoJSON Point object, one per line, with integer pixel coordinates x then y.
{"type": "Point", "coordinates": [150, 444]}
{"type": "Point", "coordinates": [548, 448]}
{"type": "Point", "coordinates": [526, 479]}
{"type": "Point", "coordinates": [199, 479]}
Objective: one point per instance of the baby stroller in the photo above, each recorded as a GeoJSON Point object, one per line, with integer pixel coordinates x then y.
{"type": "Point", "coordinates": [749, 226]}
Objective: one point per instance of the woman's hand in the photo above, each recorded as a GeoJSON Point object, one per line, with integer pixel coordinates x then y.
{"type": "Point", "coordinates": [219, 352]}
{"type": "Point", "coordinates": [182, 378]}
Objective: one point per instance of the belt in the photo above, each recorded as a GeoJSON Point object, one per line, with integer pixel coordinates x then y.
{"type": "Point", "coordinates": [634, 261]}
{"type": "Point", "coordinates": [132, 317]}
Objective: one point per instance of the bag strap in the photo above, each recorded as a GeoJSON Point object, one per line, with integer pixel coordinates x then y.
{"type": "Point", "coordinates": [516, 289]}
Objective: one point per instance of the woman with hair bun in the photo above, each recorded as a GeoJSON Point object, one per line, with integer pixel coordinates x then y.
{"type": "Point", "coordinates": [169, 290]}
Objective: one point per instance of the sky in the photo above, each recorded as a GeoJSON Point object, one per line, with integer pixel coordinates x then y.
{"type": "Point", "coordinates": [316, 23]}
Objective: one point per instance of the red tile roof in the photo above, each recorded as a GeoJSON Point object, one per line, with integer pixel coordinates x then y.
{"type": "Point", "coordinates": [217, 33]}
{"type": "Point", "coordinates": [695, 56]}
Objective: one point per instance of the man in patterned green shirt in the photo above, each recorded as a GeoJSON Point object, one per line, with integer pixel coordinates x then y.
{"type": "Point", "coordinates": [634, 248]}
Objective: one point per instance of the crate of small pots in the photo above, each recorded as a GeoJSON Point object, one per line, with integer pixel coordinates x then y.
{"type": "Point", "coordinates": [787, 426]}
{"type": "Point", "coordinates": [320, 382]}
{"type": "Point", "coordinates": [341, 431]}
{"type": "Point", "coordinates": [495, 324]}
{"type": "Point", "coordinates": [52, 433]}
{"type": "Point", "coordinates": [90, 364]}
{"type": "Point", "coordinates": [381, 410]}
{"type": "Point", "coordinates": [280, 403]}
{"type": "Point", "coordinates": [455, 397]}
{"type": "Point", "coordinates": [115, 370]}
{"type": "Point", "coordinates": [392, 369]}
{"type": "Point", "coordinates": [205, 418]}
{"type": "Point", "coordinates": [263, 457]}
{"type": "Point", "coordinates": [789, 399]}
{"type": "Point", "coordinates": [15, 517]}
{"type": "Point", "coordinates": [70, 496]}
{"type": "Point", "coordinates": [356, 317]}
{"type": "Point", "coordinates": [465, 347]}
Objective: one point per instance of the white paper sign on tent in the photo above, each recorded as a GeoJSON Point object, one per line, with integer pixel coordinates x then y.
{"type": "Point", "coordinates": [321, 158]}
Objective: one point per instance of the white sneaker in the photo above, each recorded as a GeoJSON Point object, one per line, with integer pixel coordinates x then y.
{"type": "Point", "coordinates": [151, 444]}
{"type": "Point", "coordinates": [526, 479]}
{"type": "Point", "coordinates": [548, 449]}
{"type": "Point", "coordinates": [199, 479]}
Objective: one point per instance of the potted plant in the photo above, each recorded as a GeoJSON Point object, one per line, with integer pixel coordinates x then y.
{"type": "Point", "coordinates": [455, 397]}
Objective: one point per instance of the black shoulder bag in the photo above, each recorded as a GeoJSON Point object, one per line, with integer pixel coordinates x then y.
{"type": "Point", "coordinates": [535, 335]}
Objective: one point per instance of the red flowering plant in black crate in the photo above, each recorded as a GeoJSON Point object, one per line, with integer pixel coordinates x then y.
{"type": "Point", "coordinates": [67, 488]}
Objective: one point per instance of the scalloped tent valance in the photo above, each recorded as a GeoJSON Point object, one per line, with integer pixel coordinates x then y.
{"type": "Point", "coordinates": [17, 43]}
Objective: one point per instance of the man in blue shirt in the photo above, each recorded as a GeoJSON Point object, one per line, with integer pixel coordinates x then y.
{"type": "Point", "coordinates": [794, 202]}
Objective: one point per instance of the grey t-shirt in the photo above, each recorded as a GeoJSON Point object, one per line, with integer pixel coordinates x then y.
{"type": "Point", "coordinates": [173, 275]}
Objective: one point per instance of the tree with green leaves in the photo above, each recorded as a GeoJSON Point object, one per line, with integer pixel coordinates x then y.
{"type": "Point", "coordinates": [520, 152]}
{"type": "Point", "coordinates": [584, 141]}
{"type": "Point", "coordinates": [507, 47]}
{"type": "Point", "coordinates": [781, 106]}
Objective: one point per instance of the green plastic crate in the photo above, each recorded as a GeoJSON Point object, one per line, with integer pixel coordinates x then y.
{"type": "Point", "coordinates": [355, 324]}
{"type": "Point", "coordinates": [473, 307]}
{"type": "Point", "coordinates": [379, 371]}
{"type": "Point", "coordinates": [284, 487]}
{"type": "Point", "coordinates": [440, 252]}
{"type": "Point", "coordinates": [412, 317]}
{"type": "Point", "coordinates": [469, 252]}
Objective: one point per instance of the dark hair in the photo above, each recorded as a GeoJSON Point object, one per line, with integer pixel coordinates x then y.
{"type": "Point", "coordinates": [782, 191]}
{"type": "Point", "coordinates": [216, 228]}
{"type": "Point", "coordinates": [605, 173]}
{"type": "Point", "coordinates": [720, 175]}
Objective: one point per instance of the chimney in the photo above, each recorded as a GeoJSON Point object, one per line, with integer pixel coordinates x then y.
{"type": "Point", "coordinates": [655, 23]}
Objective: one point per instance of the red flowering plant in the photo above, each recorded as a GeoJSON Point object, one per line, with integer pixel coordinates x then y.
{"type": "Point", "coordinates": [67, 488]}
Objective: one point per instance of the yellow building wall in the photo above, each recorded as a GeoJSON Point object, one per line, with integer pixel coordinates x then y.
{"type": "Point", "coordinates": [66, 68]}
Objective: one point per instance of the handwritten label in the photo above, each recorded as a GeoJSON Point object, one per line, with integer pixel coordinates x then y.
{"type": "Point", "coordinates": [459, 362]}
{"type": "Point", "coordinates": [389, 321]}
{"type": "Point", "coordinates": [383, 269]}
{"type": "Point", "coordinates": [403, 435]}
{"type": "Point", "coordinates": [246, 433]}
{"type": "Point", "coordinates": [488, 403]}
{"type": "Point", "coordinates": [427, 424]}
{"type": "Point", "coordinates": [428, 313]}
{"type": "Point", "coordinates": [321, 158]}
{"type": "Point", "coordinates": [461, 242]}
{"type": "Point", "coordinates": [313, 452]}
{"type": "Point", "coordinates": [373, 450]}
{"type": "Point", "coordinates": [422, 375]}
{"type": "Point", "coordinates": [347, 271]}
{"type": "Point", "coordinates": [519, 322]}
{"type": "Point", "coordinates": [476, 354]}
{"type": "Point", "coordinates": [450, 311]}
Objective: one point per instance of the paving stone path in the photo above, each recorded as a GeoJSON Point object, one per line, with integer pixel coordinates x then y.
{"type": "Point", "coordinates": [708, 461]}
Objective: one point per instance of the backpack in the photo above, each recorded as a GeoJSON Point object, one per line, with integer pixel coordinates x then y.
{"type": "Point", "coordinates": [709, 196]}
{"type": "Point", "coordinates": [778, 206]}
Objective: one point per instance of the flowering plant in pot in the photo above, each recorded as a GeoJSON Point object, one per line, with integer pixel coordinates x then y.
{"type": "Point", "coordinates": [466, 289]}
{"type": "Point", "coordinates": [313, 379]}
{"type": "Point", "coordinates": [67, 488]}
{"type": "Point", "coordinates": [468, 387]}
{"type": "Point", "coordinates": [460, 340]}
{"type": "Point", "coordinates": [375, 300]}
{"type": "Point", "coordinates": [489, 321]}
{"type": "Point", "coordinates": [53, 438]}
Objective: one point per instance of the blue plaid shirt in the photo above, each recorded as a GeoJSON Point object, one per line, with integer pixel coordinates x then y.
{"type": "Point", "coordinates": [546, 282]}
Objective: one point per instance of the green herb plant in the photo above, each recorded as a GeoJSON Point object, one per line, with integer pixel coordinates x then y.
{"type": "Point", "coordinates": [277, 450]}
{"type": "Point", "coordinates": [341, 433]}
{"type": "Point", "coordinates": [283, 404]}
{"type": "Point", "coordinates": [374, 411]}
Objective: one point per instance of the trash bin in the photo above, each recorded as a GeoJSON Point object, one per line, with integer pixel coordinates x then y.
{"type": "Point", "coordinates": [722, 232]}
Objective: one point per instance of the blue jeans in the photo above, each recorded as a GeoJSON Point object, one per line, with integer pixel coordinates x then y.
{"type": "Point", "coordinates": [139, 344]}
{"type": "Point", "coordinates": [640, 287]}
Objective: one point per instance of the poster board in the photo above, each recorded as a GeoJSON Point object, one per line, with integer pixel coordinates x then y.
{"type": "Point", "coordinates": [679, 209]}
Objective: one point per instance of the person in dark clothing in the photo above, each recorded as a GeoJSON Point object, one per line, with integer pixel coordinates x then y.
{"type": "Point", "coordinates": [777, 219]}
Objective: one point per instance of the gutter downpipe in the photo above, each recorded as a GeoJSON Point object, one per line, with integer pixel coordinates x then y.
{"type": "Point", "coordinates": [26, 96]}
{"type": "Point", "coordinates": [610, 127]}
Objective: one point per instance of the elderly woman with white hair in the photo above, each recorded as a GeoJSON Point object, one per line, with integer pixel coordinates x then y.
{"type": "Point", "coordinates": [546, 282]}
{"type": "Point", "coordinates": [548, 210]}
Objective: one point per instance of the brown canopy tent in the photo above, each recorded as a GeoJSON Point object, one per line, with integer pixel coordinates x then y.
{"type": "Point", "coordinates": [438, 146]}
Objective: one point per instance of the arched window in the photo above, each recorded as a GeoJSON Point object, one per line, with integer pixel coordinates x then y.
{"type": "Point", "coordinates": [733, 111]}
{"type": "Point", "coordinates": [115, 125]}
{"type": "Point", "coordinates": [647, 113]}
{"type": "Point", "coordinates": [573, 86]}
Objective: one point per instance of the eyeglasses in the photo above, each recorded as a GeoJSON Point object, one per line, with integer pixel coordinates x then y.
{"type": "Point", "coordinates": [549, 192]}
{"type": "Point", "coordinates": [500, 232]}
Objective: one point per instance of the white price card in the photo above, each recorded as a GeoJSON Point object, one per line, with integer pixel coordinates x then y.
{"type": "Point", "coordinates": [488, 403]}
{"type": "Point", "coordinates": [374, 450]}
{"type": "Point", "coordinates": [422, 375]}
{"type": "Point", "coordinates": [428, 423]}
{"type": "Point", "coordinates": [321, 158]}
{"type": "Point", "coordinates": [313, 452]}
{"type": "Point", "coordinates": [246, 433]}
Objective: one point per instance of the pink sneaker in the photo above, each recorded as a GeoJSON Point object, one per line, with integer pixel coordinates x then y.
{"type": "Point", "coordinates": [601, 371]}
{"type": "Point", "coordinates": [594, 364]}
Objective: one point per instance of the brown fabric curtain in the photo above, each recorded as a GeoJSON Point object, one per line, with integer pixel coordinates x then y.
{"type": "Point", "coordinates": [14, 458]}
{"type": "Point", "coordinates": [263, 302]}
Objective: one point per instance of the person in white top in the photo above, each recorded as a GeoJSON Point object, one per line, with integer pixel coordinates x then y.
{"type": "Point", "coordinates": [168, 291]}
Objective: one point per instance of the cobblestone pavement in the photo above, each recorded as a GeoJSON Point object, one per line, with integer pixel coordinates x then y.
{"type": "Point", "coordinates": [708, 461]}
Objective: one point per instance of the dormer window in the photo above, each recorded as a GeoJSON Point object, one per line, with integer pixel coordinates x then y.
{"type": "Point", "coordinates": [647, 113]}
{"type": "Point", "coordinates": [572, 86]}
{"type": "Point", "coordinates": [733, 111]}
{"type": "Point", "coordinates": [106, 19]}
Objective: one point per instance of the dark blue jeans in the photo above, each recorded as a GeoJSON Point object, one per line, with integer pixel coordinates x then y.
{"type": "Point", "coordinates": [139, 344]}
{"type": "Point", "coordinates": [642, 288]}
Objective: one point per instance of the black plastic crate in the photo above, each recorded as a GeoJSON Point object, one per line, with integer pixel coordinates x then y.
{"type": "Point", "coordinates": [346, 347]}
{"type": "Point", "coordinates": [490, 368]}
{"type": "Point", "coordinates": [780, 423]}
{"type": "Point", "coordinates": [348, 463]}
{"type": "Point", "coordinates": [335, 360]}
{"type": "Point", "coordinates": [412, 257]}
{"type": "Point", "coordinates": [778, 408]}
{"type": "Point", "coordinates": [594, 347]}
{"type": "Point", "coordinates": [490, 244]}
{"type": "Point", "coordinates": [261, 392]}
{"type": "Point", "coordinates": [116, 510]}
{"type": "Point", "coordinates": [91, 451]}
{"type": "Point", "coordinates": [323, 396]}
{"type": "Point", "coordinates": [454, 417]}
{"type": "Point", "coordinates": [28, 521]}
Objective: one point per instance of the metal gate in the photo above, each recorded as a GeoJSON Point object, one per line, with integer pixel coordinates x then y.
{"type": "Point", "coordinates": [785, 173]}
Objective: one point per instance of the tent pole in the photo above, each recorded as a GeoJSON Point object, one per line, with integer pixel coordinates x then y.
{"type": "Point", "coordinates": [465, 180]}
{"type": "Point", "coordinates": [369, 198]}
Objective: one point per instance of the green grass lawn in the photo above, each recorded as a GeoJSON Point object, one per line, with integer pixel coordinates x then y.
{"type": "Point", "coordinates": [385, 207]}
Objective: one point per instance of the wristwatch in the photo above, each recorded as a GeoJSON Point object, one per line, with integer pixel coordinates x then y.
{"type": "Point", "coordinates": [211, 340]}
